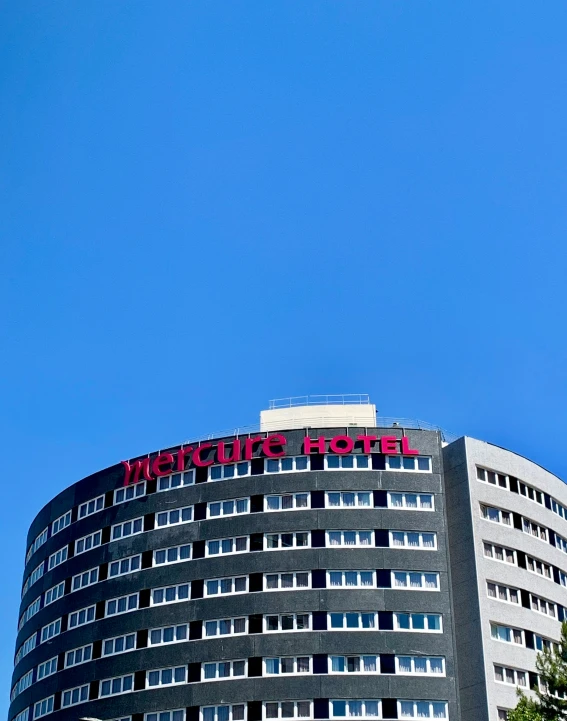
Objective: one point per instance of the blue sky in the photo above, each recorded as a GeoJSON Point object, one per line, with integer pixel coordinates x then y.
{"type": "Point", "coordinates": [205, 205]}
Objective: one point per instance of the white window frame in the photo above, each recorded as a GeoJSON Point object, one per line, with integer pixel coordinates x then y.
{"type": "Point", "coordinates": [231, 621]}
{"type": "Point", "coordinates": [88, 542]}
{"type": "Point", "coordinates": [124, 638]}
{"type": "Point", "coordinates": [422, 587]}
{"type": "Point", "coordinates": [232, 592]}
{"type": "Point", "coordinates": [402, 716]}
{"type": "Point", "coordinates": [493, 478]}
{"type": "Point", "coordinates": [392, 460]}
{"type": "Point", "coordinates": [275, 465]}
{"type": "Point", "coordinates": [294, 662]}
{"type": "Point", "coordinates": [23, 715]}
{"type": "Point", "coordinates": [234, 501]}
{"type": "Point", "coordinates": [406, 536]}
{"type": "Point", "coordinates": [359, 541]}
{"type": "Point", "coordinates": [501, 516]}
{"type": "Point", "coordinates": [57, 558]}
{"type": "Point", "coordinates": [515, 672]}
{"type": "Point", "coordinates": [231, 714]}
{"type": "Point", "coordinates": [89, 616]}
{"type": "Point", "coordinates": [217, 665]}
{"type": "Point", "coordinates": [227, 468]}
{"type": "Point", "coordinates": [427, 659]}
{"type": "Point", "coordinates": [98, 505]}
{"type": "Point", "coordinates": [34, 576]}
{"type": "Point", "coordinates": [31, 610]}
{"type": "Point", "coordinates": [529, 526]}
{"type": "Point", "coordinates": [23, 683]}
{"type": "Point", "coordinates": [129, 493]}
{"type": "Point", "coordinates": [547, 571]}
{"type": "Point", "coordinates": [347, 715]}
{"type": "Point", "coordinates": [44, 707]}
{"type": "Point", "coordinates": [54, 593]}
{"type": "Point", "coordinates": [360, 658]}
{"type": "Point", "coordinates": [222, 542]}
{"type": "Point", "coordinates": [296, 715]}
{"type": "Point", "coordinates": [47, 668]}
{"type": "Point", "coordinates": [126, 529]}
{"type": "Point", "coordinates": [60, 523]}
{"type": "Point", "coordinates": [174, 715]}
{"type": "Point", "coordinates": [493, 551]}
{"type": "Point", "coordinates": [509, 591]}
{"type": "Point", "coordinates": [172, 554]}
{"type": "Point", "coordinates": [81, 691]}
{"type": "Point", "coordinates": [50, 630]}
{"type": "Point", "coordinates": [167, 516]}
{"type": "Point", "coordinates": [539, 601]}
{"type": "Point", "coordinates": [290, 500]}
{"type": "Point", "coordinates": [179, 479]}
{"type": "Point", "coordinates": [293, 587]}
{"type": "Point", "coordinates": [412, 629]}
{"type": "Point", "coordinates": [535, 493]}
{"type": "Point", "coordinates": [84, 651]}
{"type": "Point", "coordinates": [39, 540]}
{"type": "Point", "coordinates": [84, 579]}
{"type": "Point", "coordinates": [175, 629]}
{"type": "Point", "coordinates": [512, 632]}
{"type": "Point", "coordinates": [358, 627]}
{"type": "Point", "coordinates": [293, 615]}
{"type": "Point", "coordinates": [165, 589]}
{"type": "Point", "coordinates": [28, 645]}
{"type": "Point", "coordinates": [358, 579]}
{"type": "Point", "coordinates": [356, 496]}
{"type": "Point", "coordinates": [129, 677]}
{"type": "Point", "coordinates": [294, 538]}
{"type": "Point", "coordinates": [174, 674]}
{"type": "Point", "coordinates": [345, 459]}
{"type": "Point", "coordinates": [405, 507]}
{"type": "Point", "coordinates": [131, 601]}
{"type": "Point", "coordinates": [135, 561]}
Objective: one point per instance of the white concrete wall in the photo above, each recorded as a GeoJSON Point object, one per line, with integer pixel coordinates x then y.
{"type": "Point", "coordinates": [323, 416]}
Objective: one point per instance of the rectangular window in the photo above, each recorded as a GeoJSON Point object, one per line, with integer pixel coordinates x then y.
{"type": "Point", "coordinates": [93, 506]}
{"type": "Point", "coordinates": [287, 622]}
{"type": "Point", "coordinates": [350, 538]}
{"type": "Point", "coordinates": [78, 656]}
{"type": "Point", "coordinates": [560, 543]}
{"type": "Point", "coordinates": [60, 523]}
{"type": "Point", "coordinates": [28, 645]}
{"type": "Point", "coordinates": [231, 507]}
{"type": "Point", "coordinates": [47, 668]}
{"type": "Point", "coordinates": [126, 565]}
{"type": "Point", "coordinates": [368, 664]}
{"type": "Point", "coordinates": [116, 606]}
{"type": "Point", "coordinates": [128, 528]}
{"type": "Point", "coordinates": [73, 696]}
{"type": "Point", "coordinates": [411, 501]}
{"type": "Point", "coordinates": [507, 634]}
{"type": "Point", "coordinates": [226, 627]}
{"type": "Point", "coordinates": [282, 710]}
{"type": "Point", "coordinates": [531, 493]}
{"type": "Point", "coordinates": [499, 553]}
{"type": "Point", "coordinates": [30, 611]}
{"type": "Point", "coordinates": [286, 502]}
{"type": "Point", "coordinates": [116, 686]}
{"type": "Point", "coordinates": [349, 499]}
{"type": "Point", "coordinates": [420, 665]}
{"type": "Point", "coordinates": [421, 622]}
{"type": "Point", "coordinates": [82, 617]}
{"type": "Point", "coordinates": [169, 634]}
{"type": "Point", "coordinates": [542, 643]}
{"type": "Point", "coordinates": [39, 541]}
{"type": "Point", "coordinates": [170, 594]}
{"type": "Point", "coordinates": [534, 529]}
{"type": "Point", "coordinates": [287, 464]}
{"type": "Point", "coordinates": [229, 470]}
{"type": "Point", "coordinates": [166, 676]}
{"type": "Point", "coordinates": [292, 665]}
{"type": "Point", "coordinates": [34, 576]}
{"type": "Point", "coordinates": [347, 462]}
{"type": "Point", "coordinates": [541, 605]}
{"type": "Point", "coordinates": [350, 579]}
{"type": "Point", "coordinates": [502, 593]}
{"type": "Point", "coordinates": [52, 629]}
{"type": "Point", "coordinates": [82, 580]}
{"type": "Point", "coordinates": [222, 586]}
{"type": "Point", "coordinates": [422, 709]}
{"type": "Point", "coordinates": [119, 644]}
{"type": "Point", "coordinates": [496, 515]}
{"type": "Point", "coordinates": [220, 670]}
{"type": "Point", "coordinates": [511, 676]}
{"type": "Point", "coordinates": [176, 480]}
{"type": "Point", "coordinates": [54, 593]}
{"type": "Point", "coordinates": [413, 539]}
{"type": "Point", "coordinates": [43, 707]}
{"type": "Point", "coordinates": [419, 464]}
{"type": "Point", "coordinates": [495, 479]}
{"type": "Point", "coordinates": [415, 580]}
{"type": "Point", "coordinates": [359, 709]}
{"type": "Point", "coordinates": [23, 683]}
{"type": "Point", "coordinates": [128, 493]}
{"type": "Point", "coordinates": [178, 715]}
{"type": "Point", "coordinates": [174, 517]}
{"type": "Point", "coordinates": [502, 714]}
{"type": "Point", "coordinates": [222, 546]}
{"type": "Point", "coordinates": [175, 554]}
{"type": "Point", "coordinates": [367, 621]}
{"type": "Point", "coordinates": [286, 581]}
{"type": "Point", "coordinates": [236, 712]}
{"type": "Point", "coordinates": [539, 567]}
{"type": "Point", "coordinates": [57, 558]}
{"type": "Point", "coordinates": [23, 715]}
{"type": "Point", "coordinates": [87, 542]}
{"type": "Point", "coordinates": [274, 541]}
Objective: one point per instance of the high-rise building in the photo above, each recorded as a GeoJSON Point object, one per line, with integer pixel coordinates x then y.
{"type": "Point", "coordinates": [325, 565]}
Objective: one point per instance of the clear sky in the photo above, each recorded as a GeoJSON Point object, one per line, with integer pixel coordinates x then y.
{"type": "Point", "coordinates": [205, 205]}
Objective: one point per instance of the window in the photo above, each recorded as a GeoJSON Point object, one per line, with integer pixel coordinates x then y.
{"type": "Point", "coordinates": [176, 480]}
{"type": "Point", "coordinates": [73, 696]}
{"type": "Point", "coordinates": [174, 517]}
{"type": "Point", "coordinates": [129, 492]}
{"type": "Point", "coordinates": [496, 515]}
{"type": "Point", "coordinates": [23, 715]}
{"type": "Point", "coordinates": [560, 543]}
{"type": "Point", "coordinates": [116, 606]}
{"type": "Point", "coordinates": [413, 539]}
{"type": "Point", "coordinates": [115, 686]}
{"type": "Point", "coordinates": [286, 502]}
{"type": "Point", "coordinates": [539, 567]}
{"type": "Point", "coordinates": [542, 643]}
{"type": "Point", "coordinates": [287, 464]}
{"type": "Point", "coordinates": [495, 479]}
{"type": "Point", "coordinates": [349, 499]}
{"type": "Point", "coordinates": [42, 708]}
{"type": "Point", "coordinates": [350, 579]}
{"type": "Point", "coordinates": [22, 684]}
{"type": "Point", "coordinates": [499, 553]}
{"type": "Point", "coordinates": [52, 629]}
{"type": "Point", "coordinates": [231, 507]}
{"type": "Point", "coordinates": [502, 593]}
{"type": "Point", "coordinates": [229, 470]}
{"type": "Point", "coordinates": [60, 523]}
{"type": "Point", "coordinates": [502, 714]}
{"type": "Point", "coordinates": [422, 709]}
{"type": "Point", "coordinates": [170, 594]}
{"type": "Point", "coordinates": [510, 676]}
{"type": "Point", "coordinates": [347, 462]}
{"type": "Point", "coordinates": [353, 619]}
{"type": "Point", "coordinates": [57, 558]}
{"type": "Point", "coordinates": [420, 665]}
{"type": "Point", "coordinates": [354, 664]}
{"type": "Point", "coordinates": [507, 634]}
{"type": "Point", "coordinates": [178, 715]}
{"type": "Point", "coordinates": [34, 576]}
{"type": "Point", "coordinates": [126, 565]}
{"type": "Point", "coordinates": [221, 586]}
{"type": "Point", "coordinates": [82, 617]}
{"type": "Point", "coordinates": [169, 634]}
{"type": "Point", "coordinates": [542, 606]}
{"type": "Point", "coordinates": [175, 554]}
{"type": "Point", "coordinates": [78, 656]}
{"type": "Point", "coordinates": [87, 542]}
{"type": "Point", "coordinates": [287, 622]}
{"type": "Point", "coordinates": [287, 665]}
{"type": "Point", "coordinates": [82, 580]}
{"type": "Point", "coordinates": [415, 580]}
{"type": "Point", "coordinates": [411, 501]}
{"type": "Point", "coordinates": [166, 676]}
{"type": "Point", "coordinates": [54, 593]}
{"type": "Point", "coordinates": [284, 581]}
{"type": "Point", "coordinates": [226, 627]}
{"type": "Point", "coordinates": [531, 493]}
{"type": "Point", "coordinates": [223, 669]}
{"type": "Point", "coordinates": [227, 545]}
{"type": "Point", "coordinates": [90, 507]}
{"type": "Point", "coordinates": [30, 611]}
{"type": "Point", "coordinates": [422, 622]}
{"type": "Point", "coordinates": [534, 529]}
{"type": "Point", "coordinates": [47, 668]}
{"type": "Point", "coordinates": [128, 528]}
{"type": "Point", "coordinates": [39, 541]}
{"type": "Point", "coordinates": [284, 710]}
{"type": "Point", "coordinates": [421, 464]}
{"type": "Point", "coordinates": [558, 508]}
{"type": "Point", "coordinates": [236, 712]}
{"type": "Point", "coordinates": [119, 644]}
{"type": "Point", "coordinates": [28, 645]}
{"type": "Point", "coordinates": [273, 541]}
{"type": "Point", "coordinates": [351, 708]}
{"type": "Point", "coordinates": [350, 538]}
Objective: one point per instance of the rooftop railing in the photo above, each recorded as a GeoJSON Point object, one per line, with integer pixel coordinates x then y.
{"type": "Point", "coordinates": [338, 399]}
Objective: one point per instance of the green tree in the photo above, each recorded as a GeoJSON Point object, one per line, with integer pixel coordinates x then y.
{"type": "Point", "coordinates": [525, 710]}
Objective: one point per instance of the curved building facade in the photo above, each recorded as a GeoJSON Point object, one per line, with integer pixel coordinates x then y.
{"type": "Point", "coordinates": [330, 570]}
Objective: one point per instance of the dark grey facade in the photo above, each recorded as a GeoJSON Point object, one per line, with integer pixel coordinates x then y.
{"type": "Point", "coordinates": [315, 679]}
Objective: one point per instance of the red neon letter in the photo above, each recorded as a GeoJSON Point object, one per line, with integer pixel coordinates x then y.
{"type": "Point", "coordinates": [276, 440]}
{"type": "Point", "coordinates": [346, 444]}
{"type": "Point", "coordinates": [366, 442]}
{"type": "Point", "coordinates": [135, 469]}
{"type": "Point", "coordinates": [181, 457]}
{"type": "Point", "coordinates": [311, 443]}
{"type": "Point", "coordinates": [197, 460]}
{"type": "Point", "coordinates": [222, 458]}
{"type": "Point", "coordinates": [249, 446]}
{"type": "Point", "coordinates": [406, 450]}
{"type": "Point", "coordinates": [161, 460]}
{"type": "Point", "coordinates": [389, 444]}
